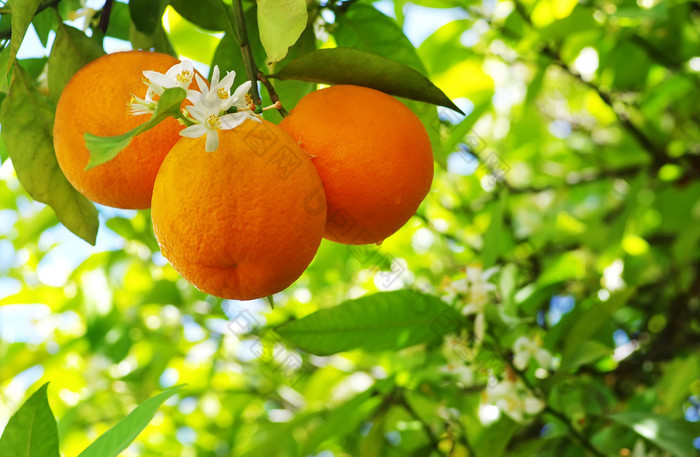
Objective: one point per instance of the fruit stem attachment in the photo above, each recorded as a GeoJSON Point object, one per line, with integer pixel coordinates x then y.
{"type": "Point", "coordinates": [273, 94]}
{"type": "Point", "coordinates": [246, 50]}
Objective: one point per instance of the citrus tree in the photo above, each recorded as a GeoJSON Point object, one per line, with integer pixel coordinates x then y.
{"type": "Point", "coordinates": [506, 191]}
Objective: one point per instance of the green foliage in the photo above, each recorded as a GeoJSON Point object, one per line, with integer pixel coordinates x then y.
{"type": "Point", "coordinates": [31, 432]}
{"type": "Point", "coordinates": [379, 322]}
{"type": "Point", "coordinates": [281, 23]}
{"type": "Point", "coordinates": [573, 172]}
{"type": "Point", "coordinates": [27, 119]}
{"type": "Point", "coordinates": [116, 439]}
{"type": "Point", "coordinates": [350, 66]}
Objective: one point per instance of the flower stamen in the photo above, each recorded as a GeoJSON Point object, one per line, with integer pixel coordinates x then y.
{"type": "Point", "coordinates": [213, 122]}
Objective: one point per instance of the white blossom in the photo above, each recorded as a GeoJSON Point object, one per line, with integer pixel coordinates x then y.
{"type": "Point", "coordinates": [525, 349]}
{"type": "Point", "coordinates": [513, 398]}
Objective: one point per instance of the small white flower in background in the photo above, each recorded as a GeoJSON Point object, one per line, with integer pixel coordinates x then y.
{"type": "Point", "coordinates": [513, 398]}
{"type": "Point", "coordinates": [476, 287]}
{"type": "Point", "coordinates": [525, 349]}
{"type": "Point", "coordinates": [457, 353]}
{"type": "Point", "coordinates": [83, 11]}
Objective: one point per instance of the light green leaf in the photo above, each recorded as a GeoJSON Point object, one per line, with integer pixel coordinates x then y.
{"type": "Point", "coordinates": [31, 431]}
{"type": "Point", "coordinates": [4, 62]}
{"type": "Point", "coordinates": [117, 438]}
{"type": "Point", "coordinates": [350, 66]}
{"type": "Point", "coordinates": [71, 51]}
{"type": "Point", "coordinates": [27, 130]}
{"type": "Point", "coordinates": [281, 23]}
{"type": "Point", "coordinates": [105, 148]}
{"type": "Point", "coordinates": [382, 321]}
{"type": "Point", "coordinates": [666, 433]}
{"type": "Point", "coordinates": [589, 351]}
{"type": "Point", "coordinates": [22, 15]}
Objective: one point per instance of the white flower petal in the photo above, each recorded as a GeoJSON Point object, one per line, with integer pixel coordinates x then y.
{"type": "Point", "coordinates": [212, 140]}
{"type": "Point", "coordinates": [194, 131]}
{"type": "Point", "coordinates": [532, 405]}
{"type": "Point", "coordinates": [233, 120]}
{"type": "Point", "coordinates": [202, 84]}
{"type": "Point", "coordinates": [158, 79]}
{"type": "Point", "coordinates": [520, 360]}
{"type": "Point", "coordinates": [215, 76]}
{"type": "Point", "coordinates": [479, 328]}
{"type": "Point", "coordinates": [227, 82]}
{"type": "Point", "coordinates": [488, 273]}
{"type": "Point", "coordinates": [239, 93]}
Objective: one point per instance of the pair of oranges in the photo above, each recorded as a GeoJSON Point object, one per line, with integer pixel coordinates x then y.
{"type": "Point", "coordinates": [349, 163]}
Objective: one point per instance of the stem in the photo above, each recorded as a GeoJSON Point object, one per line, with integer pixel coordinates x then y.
{"type": "Point", "coordinates": [104, 18]}
{"type": "Point", "coordinates": [426, 428]}
{"type": "Point", "coordinates": [246, 50]}
{"type": "Point", "coordinates": [273, 94]}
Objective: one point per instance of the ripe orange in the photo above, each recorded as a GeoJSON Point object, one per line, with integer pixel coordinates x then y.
{"type": "Point", "coordinates": [242, 222]}
{"type": "Point", "coordinates": [373, 156]}
{"type": "Point", "coordinates": [96, 100]}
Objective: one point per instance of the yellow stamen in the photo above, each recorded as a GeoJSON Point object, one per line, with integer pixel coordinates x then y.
{"type": "Point", "coordinates": [184, 76]}
{"type": "Point", "coordinates": [213, 122]}
{"type": "Point", "coordinates": [222, 93]}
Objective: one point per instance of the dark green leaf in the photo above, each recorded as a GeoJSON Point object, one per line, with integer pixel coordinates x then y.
{"type": "Point", "coordinates": [209, 14]}
{"type": "Point", "coordinates": [119, 21]}
{"type": "Point", "coordinates": [146, 14]}
{"type": "Point", "coordinates": [382, 321]}
{"type": "Point", "coordinates": [350, 66]}
{"type": "Point", "coordinates": [105, 148]}
{"type": "Point", "coordinates": [117, 438]}
{"type": "Point", "coordinates": [31, 431]}
{"type": "Point", "coordinates": [71, 51]}
{"type": "Point", "coordinates": [4, 61]}
{"type": "Point", "coordinates": [44, 23]}
{"type": "Point", "coordinates": [666, 433]}
{"type": "Point", "coordinates": [27, 130]}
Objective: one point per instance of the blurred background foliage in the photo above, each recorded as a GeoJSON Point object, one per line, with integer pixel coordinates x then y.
{"type": "Point", "coordinates": [574, 172]}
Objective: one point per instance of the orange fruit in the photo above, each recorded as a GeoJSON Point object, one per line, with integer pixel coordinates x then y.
{"type": "Point", "coordinates": [373, 156]}
{"type": "Point", "coordinates": [96, 100]}
{"type": "Point", "coordinates": [242, 222]}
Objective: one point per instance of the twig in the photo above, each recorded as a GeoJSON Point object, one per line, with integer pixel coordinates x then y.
{"type": "Point", "coordinates": [273, 94]}
{"type": "Point", "coordinates": [104, 18]}
{"type": "Point", "coordinates": [426, 428]}
{"type": "Point", "coordinates": [246, 50]}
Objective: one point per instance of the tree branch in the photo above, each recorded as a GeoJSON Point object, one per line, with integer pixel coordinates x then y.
{"type": "Point", "coordinates": [246, 50]}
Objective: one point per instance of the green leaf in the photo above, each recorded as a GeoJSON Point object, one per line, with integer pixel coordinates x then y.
{"type": "Point", "coordinates": [209, 14]}
{"type": "Point", "coordinates": [27, 130]}
{"type": "Point", "coordinates": [589, 351]}
{"type": "Point", "coordinates": [350, 66]}
{"type": "Point", "coordinates": [382, 321]}
{"type": "Point", "coordinates": [4, 63]}
{"type": "Point", "coordinates": [105, 148]}
{"type": "Point", "coordinates": [666, 433]}
{"type": "Point", "coordinates": [71, 51]}
{"type": "Point", "coordinates": [22, 15]}
{"type": "Point", "coordinates": [117, 438]}
{"type": "Point", "coordinates": [589, 322]}
{"type": "Point", "coordinates": [32, 430]}
{"type": "Point", "coordinates": [146, 14]}
{"type": "Point", "coordinates": [281, 23]}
